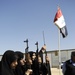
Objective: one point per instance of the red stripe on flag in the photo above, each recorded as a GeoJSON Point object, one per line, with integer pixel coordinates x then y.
{"type": "Point", "coordinates": [58, 14]}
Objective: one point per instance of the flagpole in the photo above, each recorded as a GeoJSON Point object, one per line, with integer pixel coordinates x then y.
{"type": "Point", "coordinates": [44, 42]}
{"type": "Point", "coordinates": [60, 23]}
{"type": "Point", "coordinates": [59, 51]}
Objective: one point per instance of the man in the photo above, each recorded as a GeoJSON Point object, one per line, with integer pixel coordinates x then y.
{"type": "Point", "coordinates": [69, 65]}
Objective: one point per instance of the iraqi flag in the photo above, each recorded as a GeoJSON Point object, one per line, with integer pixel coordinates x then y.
{"type": "Point", "coordinates": [60, 23]}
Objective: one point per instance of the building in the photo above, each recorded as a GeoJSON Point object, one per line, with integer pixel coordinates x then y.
{"type": "Point", "coordinates": [54, 56]}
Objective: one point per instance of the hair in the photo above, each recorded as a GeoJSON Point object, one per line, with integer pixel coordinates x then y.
{"type": "Point", "coordinates": [20, 55]}
{"type": "Point", "coordinates": [73, 53]}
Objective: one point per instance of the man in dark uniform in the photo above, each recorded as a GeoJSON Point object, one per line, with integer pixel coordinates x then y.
{"type": "Point", "coordinates": [69, 65]}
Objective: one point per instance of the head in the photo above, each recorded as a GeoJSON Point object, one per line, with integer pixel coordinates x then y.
{"type": "Point", "coordinates": [30, 61]}
{"type": "Point", "coordinates": [39, 59]}
{"type": "Point", "coordinates": [9, 59]}
{"type": "Point", "coordinates": [47, 59]}
{"type": "Point", "coordinates": [43, 49]}
{"type": "Point", "coordinates": [33, 56]}
{"type": "Point", "coordinates": [21, 59]}
{"type": "Point", "coordinates": [73, 56]}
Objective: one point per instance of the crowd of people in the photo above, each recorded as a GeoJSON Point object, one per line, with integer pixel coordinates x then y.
{"type": "Point", "coordinates": [14, 63]}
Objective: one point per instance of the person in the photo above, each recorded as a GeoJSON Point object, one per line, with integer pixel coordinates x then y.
{"type": "Point", "coordinates": [47, 63]}
{"type": "Point", "coordinates": [20, 68]}
{"type": "Point", "coordinates": [0, 67]}
{"type": "Point", "coordinates": [8, 63]}
{"type": "Point", "coordinates": [34, 63]}
{"type": "Point", "coordinates": [42, 50]}
{"type": "Point", "coordinates": [68, 67]}
{"type": "Point", "coordinates": [29, 64]}
{"type": "Point", "coordinates": [42, 69]}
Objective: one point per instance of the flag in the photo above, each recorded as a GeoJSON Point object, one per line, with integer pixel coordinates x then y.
{"type": "Point", "coordinates": [60, 23]}
{"type": "Point", "coordinates": [63, 31]}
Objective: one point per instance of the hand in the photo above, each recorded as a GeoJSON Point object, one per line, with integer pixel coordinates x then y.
{"type": "Point", "coordinates": [29, 71]}
{"type": "Point", "coordinates": [44, 47]}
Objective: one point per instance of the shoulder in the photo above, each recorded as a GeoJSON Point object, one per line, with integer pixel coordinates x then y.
{"type": "Point", "coordinates": [68, 61]}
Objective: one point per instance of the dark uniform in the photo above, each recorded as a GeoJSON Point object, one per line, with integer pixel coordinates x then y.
{"type": "Point", "coordinates": [68, 67]}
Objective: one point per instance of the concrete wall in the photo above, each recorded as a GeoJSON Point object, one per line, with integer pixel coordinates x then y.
{"type": "Point", "coordinates": [54, 56]}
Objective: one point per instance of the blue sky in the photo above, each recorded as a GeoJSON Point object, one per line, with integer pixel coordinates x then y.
{"type": "Point", "coordinates": [27, 19]}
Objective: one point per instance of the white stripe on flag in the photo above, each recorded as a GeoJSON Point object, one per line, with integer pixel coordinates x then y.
{"type": "Point", "coordinates": [60, 22]}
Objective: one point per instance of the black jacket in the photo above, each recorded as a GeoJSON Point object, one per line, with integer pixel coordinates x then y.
{"type": "Point", "coordinates": [70, 68]}
{"type": "Point", "coordinates": [48, 68]}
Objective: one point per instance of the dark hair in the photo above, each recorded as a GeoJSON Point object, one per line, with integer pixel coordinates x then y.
{"type": "Point", "coordinates": [73, 53]}
{"type": "Point", "coordinates": [20, 55]}
{"type": "Point", "coordinates": [9, 56]}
